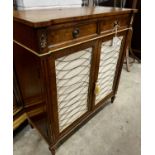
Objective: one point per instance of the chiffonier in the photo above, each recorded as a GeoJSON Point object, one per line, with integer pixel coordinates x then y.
{"type": "Point", "coordinates": [68, 63]}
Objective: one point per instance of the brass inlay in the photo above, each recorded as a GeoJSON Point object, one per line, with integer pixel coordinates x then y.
{"type": "Point", "coordinates": [19, 120]}
{"type": "Point", "coordinates": [23, 117]}
{"type": "Point", "coordinates": [35, 112]}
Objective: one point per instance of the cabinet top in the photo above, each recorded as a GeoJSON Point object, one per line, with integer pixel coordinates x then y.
{"type": "Point", "coordinates": [47, 17]}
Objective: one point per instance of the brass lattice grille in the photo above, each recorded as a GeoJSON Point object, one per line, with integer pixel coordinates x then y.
{"type": "Point", "coordinates": [108, 61]}
{"type": "Point", "coordinates": [72, 77]}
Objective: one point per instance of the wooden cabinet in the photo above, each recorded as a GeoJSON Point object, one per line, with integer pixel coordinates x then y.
{"type": "Point", "coordinates": [68, 63]}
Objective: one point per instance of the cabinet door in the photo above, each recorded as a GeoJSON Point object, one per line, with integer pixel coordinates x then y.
{"type": "Point", "coordinates": [110, 53]}
{"type": "Point", "coordinates": [73, 72]}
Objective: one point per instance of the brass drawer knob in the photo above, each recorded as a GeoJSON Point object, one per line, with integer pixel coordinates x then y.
{"type": "Point", "coordinates": [75, 33]}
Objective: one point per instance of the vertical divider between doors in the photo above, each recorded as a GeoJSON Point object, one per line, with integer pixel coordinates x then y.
{"type": "Point", "coordinates": [95, 69]}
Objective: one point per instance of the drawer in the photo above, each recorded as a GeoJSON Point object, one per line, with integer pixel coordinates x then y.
{"type": "Point", "coordinates": [65, 33]}
{"type": "Point", "coordinates": [107, 24]}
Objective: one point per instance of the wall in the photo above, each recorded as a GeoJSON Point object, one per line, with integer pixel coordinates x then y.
{"type": "Point", "coordinates": [29, 4]}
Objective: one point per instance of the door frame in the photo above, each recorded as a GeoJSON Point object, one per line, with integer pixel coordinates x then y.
{"type": "Point", "coordinates": [53, 88]}
{"type": "Point", "coordinates": [118, 67]}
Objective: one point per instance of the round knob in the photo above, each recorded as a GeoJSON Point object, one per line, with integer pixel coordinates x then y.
{"type": "Point", "coordinates": [75, 33]}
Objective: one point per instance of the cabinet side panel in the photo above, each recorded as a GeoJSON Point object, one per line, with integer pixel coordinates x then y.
{"type": "Point", "coordinates": [28, 69]}
{"type": "Point", "coordinates": [25, 35]}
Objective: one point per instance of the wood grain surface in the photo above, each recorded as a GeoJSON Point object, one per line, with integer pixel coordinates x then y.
{"type": "Point", "coordinates": [46, 17]}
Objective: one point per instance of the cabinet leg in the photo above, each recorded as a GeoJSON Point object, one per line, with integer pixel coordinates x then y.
{"type": "Point", "coordinates": [127, 60]}
{"type": "Point", "coordinates": [52, 150]}
{"type": "Point", "coordinates": [113, 99]}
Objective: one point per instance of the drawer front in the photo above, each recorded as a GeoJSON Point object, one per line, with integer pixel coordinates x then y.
{"type": "Point", "coordinates": [72, 80]}
{"type": "Point", "coordinates": [68, 33]}
{"type": "Point", "coordinates": [108, 23]}
{"type": "Point", "coordinates": [107, 67]}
